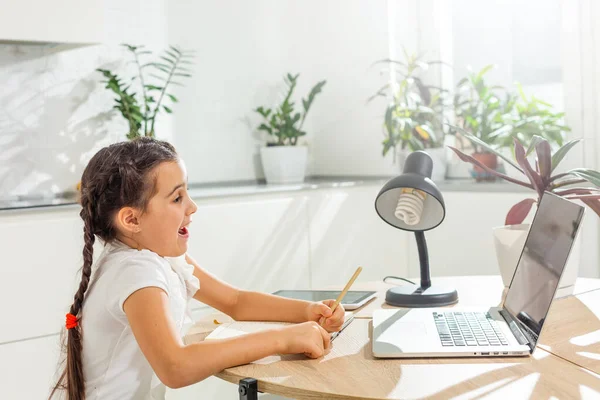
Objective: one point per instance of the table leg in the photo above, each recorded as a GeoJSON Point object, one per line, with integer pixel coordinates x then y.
{"type": "Point", "coordinates": [248, 389]}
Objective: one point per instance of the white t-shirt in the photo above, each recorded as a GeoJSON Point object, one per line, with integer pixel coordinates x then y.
{"type": "Point", "coordinates": [113, 364]}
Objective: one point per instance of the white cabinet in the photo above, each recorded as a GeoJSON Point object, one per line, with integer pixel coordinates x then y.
{"type": "Point", "coordinates": [28, 369]}
{"type": "Point", "coordinates": [41, 254]}
{"type": "Point", "coordinates": [60, 21]}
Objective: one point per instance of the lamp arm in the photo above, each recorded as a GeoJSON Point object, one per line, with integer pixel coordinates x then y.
{"type": "Point", "coordinates": [423, 259]}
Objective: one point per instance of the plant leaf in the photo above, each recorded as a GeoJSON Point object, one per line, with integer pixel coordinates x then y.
{"type": "Point", "coordinates": [264, 127]}
{"type": "Point", "coordinates": [167, 59]}
{"type": "Point", "coordinates": [500, 131]}
{"type": "Point", "coordinates": [155, 64]}
{"type": "Point", "coordinates": [182, 69]}
{"type": "Point", "coordinates": [562, 152]}
{"type": "Point", "coordinates": [423, 131]}
{"type": "Point", "coordinates": [593, 204]}
{"type": "Point", "coordinates": [534, 177]}
{"type": "Point", "coordinates": [543, 151]}
{"type": "Point", "coordinates": [534, 141]}
{"type": "Point", "coordinates": [167, 109]}
{"type": "Point", "coordinates": [566, 182]}
{"type": "Point", "coordinates": [469, 159]}
{"type": "Point", "coordinates": [478, 142]}
{"type": "Point", "coordinates": [380, 92]}
{"type": "Point", "coordinates": [173, 98]}
{"type": "Point", "coordinates": [576, 191]}
{"type": "Point", "coordinates": [153, 87]}
{"type": "Point", "coordinates": [389, 61]}
{"type": "Point", "coordinates": [587, 174]}
{"type": "Point", "coordinates": [584, 196]}
{"type": "Point", "coordinates": [517, 214]}
{"type": "Point", "coordinates": [485, 70]}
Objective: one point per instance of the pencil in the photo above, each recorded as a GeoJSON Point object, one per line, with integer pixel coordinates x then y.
{"type": "Point", "coordinates": [341, 296]}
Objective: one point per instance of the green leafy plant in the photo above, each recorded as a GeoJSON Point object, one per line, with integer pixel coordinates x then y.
{"type": "Point", "coordinates": [283, 122]}
{"type": "Point", "coordinates": [414, 116]}
{"type": "Point", "coordinates": [483, 111]}
{"type": "Point", "coordinates": [540, 177]}
{"type": "Point", "coordinates": [141, 115]}
{"type": "Point", "coordinates": [535, 117]}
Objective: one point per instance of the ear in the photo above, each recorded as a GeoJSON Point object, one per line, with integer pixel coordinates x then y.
{"type": "Point", "coordinates": [128, 220]}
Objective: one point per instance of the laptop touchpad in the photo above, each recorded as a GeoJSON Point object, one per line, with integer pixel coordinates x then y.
{"type": "Point", "coordinates": [400, 325]}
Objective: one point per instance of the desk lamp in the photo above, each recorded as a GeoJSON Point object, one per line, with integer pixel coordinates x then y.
{"type": "Point", "coordinates": [412, 202]}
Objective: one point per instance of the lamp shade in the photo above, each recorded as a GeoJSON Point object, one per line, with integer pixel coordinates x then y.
{"type": "Point", "coordinates": [416, 175]}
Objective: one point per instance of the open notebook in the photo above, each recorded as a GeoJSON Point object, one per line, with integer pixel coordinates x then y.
{"type": "Point", "coordinates": [239, 328]}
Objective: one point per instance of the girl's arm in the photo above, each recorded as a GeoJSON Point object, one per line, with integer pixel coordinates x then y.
{"type": "Point", "coordinates": [243, 305]}
{"type": "Point", "coordinates": [213, 291]}
{"type": "Point", "coordinates": [179, 365]}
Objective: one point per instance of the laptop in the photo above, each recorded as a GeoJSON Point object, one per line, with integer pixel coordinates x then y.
{"type": "Point", "coordinates": [513, 329]}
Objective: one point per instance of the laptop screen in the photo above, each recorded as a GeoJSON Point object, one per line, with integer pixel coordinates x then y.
{"type": "Point", "coordinates": [542, 261]}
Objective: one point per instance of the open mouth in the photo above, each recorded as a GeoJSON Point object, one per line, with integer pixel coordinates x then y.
{"type": "Point", "coordinates": [183, 231]}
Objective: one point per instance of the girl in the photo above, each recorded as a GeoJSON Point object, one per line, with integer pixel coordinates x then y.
{"type": "Point", "coordinates": [134, 198]}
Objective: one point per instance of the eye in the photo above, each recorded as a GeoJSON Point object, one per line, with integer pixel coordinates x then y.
{"type": "Point", "coordinates": [177, 199]}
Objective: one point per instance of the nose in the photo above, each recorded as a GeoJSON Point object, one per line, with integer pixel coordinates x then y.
{"type": "Point", "coordinates": [192, 208]}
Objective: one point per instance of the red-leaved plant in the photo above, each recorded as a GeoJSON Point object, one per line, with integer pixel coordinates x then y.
{"type": "Point", "coordinates": [540, 176]}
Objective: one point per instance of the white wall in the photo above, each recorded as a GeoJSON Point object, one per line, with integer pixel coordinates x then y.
{"type": "Point", "coordinates": [580, 47]}
{"type": "Point", "coordinates": [243, 56]}
{"type": "Point", "coordinates": [54, 111]}
{"type": "Point", "coordinates": [66, 21]}
{"type": "Point", "coordinates": [520, 38]}
{"type": "Point", "coordinates": [54, 100]}
{"type": "Point", "coordinates": [349, 37]}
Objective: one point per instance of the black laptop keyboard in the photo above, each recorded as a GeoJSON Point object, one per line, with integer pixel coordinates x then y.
{"type": "Point", "coordinates": [468, 329]}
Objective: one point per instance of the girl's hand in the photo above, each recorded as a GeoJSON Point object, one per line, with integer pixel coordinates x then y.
{"type": "Point", "coordinates": [320, 312]}
{"type": "Point", "coordinates": [307, 338]}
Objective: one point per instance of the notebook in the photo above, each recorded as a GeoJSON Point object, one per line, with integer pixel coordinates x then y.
{"type": "Point", "coordinates": [239, 328]}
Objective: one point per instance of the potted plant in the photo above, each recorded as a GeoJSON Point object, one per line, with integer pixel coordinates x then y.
{"type": "Point", "coordinates": [283, 160]}
{"type": "Point", "coordinates": [533, 117]}
{"type": "Point", "coordinates": [510, 239]}
{"type": "Point", "coordinates": [414, 115]}
{"type": "Point", "coordinates": [164, 73]}
{"type": "Point", "coordinates": [141, 115]}
{"type": "Point", "coordinates": [485, 112]}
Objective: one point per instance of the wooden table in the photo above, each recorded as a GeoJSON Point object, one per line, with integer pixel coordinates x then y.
{"type": "Point", "coordinates": [573, 330]}
{"type": "Point", "coordinates": [350, 371]}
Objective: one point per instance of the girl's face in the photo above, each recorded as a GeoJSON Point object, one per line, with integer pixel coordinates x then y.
{"type": "Point", "coordinates": [164, 227]}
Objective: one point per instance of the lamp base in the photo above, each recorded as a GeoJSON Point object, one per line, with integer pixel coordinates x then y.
{"type": "Point", "coordinates": [413, 296]}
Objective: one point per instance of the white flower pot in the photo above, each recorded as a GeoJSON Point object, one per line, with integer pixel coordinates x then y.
{"type": "Point", "coordinates": [438, 156]}
{"type": "Point", "coordinates": [284, 164]}
{"type": "Point", "coordinates": [509, 241]}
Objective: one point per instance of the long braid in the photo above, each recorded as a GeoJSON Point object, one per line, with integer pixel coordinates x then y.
{"type": "Point", "coordinates": [75, 376]}
{"type": "Point", "coordinates": [88, 257]}
{"type": "Point", "coordinates": [72, 379]}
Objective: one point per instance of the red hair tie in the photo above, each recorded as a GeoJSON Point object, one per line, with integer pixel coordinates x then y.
{"type": "Point", "coordinates": [71, 321]}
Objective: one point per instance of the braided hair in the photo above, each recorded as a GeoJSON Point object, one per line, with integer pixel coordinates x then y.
{"type": "Point", "coordinates": [117, 176]}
